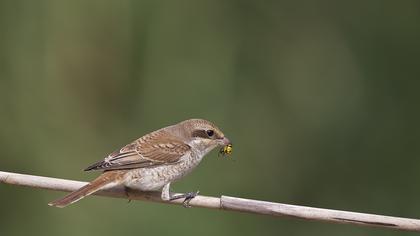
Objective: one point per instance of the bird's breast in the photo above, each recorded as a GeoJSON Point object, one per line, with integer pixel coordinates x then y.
{"type": "Point", "coordinates": [154, 178]}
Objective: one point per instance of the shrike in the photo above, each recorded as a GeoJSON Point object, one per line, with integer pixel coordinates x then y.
{"type": "Point", "coordinates": [154, 161]}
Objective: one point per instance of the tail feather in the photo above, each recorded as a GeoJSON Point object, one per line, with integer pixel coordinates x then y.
{"type": "Point", "coordinates": [90, 188]}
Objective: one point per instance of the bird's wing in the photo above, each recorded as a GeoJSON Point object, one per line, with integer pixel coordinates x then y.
{"type": "Point", "coordinates": [157, 148]}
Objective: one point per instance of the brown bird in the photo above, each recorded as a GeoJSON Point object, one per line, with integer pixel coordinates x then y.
{"type": "Point", "coordinates": [154, 161]}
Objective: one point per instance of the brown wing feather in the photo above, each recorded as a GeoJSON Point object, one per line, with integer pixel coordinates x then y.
{"type": "Point", "coordinates": [154, 149]}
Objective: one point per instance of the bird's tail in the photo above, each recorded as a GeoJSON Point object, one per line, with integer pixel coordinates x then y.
{"type": "Point", "coordinates": [112, 177]}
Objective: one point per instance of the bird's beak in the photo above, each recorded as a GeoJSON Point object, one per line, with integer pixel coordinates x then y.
{"type": "Point", "coordinates": [225, 141]}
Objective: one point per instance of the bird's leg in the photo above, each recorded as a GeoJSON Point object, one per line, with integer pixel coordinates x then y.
{"type": "Point", "coordinates": [167, 195]}
{"type": "Point", "coordinates": [188, 197]}
{"type": "Point", "coordinates": [127, 191]}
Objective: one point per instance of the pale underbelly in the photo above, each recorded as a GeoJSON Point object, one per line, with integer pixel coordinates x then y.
{"type": "Point", "coordinates": [153, 179]}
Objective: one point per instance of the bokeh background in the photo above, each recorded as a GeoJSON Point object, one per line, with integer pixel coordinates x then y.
{"type": "Point", "coordinates": [320, 98]}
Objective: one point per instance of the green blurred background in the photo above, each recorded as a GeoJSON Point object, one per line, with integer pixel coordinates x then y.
{"type": "Point", "coordinates": [320, 98]}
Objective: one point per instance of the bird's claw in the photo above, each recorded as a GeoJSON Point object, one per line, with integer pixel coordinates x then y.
{"type": "Point", "coordinates": [188, 197]}
{"type": "Point", "coordinates": [127, 193]}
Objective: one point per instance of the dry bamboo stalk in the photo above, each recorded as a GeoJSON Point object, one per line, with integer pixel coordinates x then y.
{"type": "Point", "coordinates": [226, 203]}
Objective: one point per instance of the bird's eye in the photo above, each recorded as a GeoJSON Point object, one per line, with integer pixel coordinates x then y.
{"type": "Point", "coordinates": [210, 132]}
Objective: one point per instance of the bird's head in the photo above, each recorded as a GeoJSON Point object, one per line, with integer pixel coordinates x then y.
{"type": "Point", "coordinates": [202, 135]}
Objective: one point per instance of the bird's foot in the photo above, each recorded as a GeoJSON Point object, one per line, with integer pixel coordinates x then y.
{"type": "Point", "coordinates": [188, 197]}
{"type": "Point", "coordinates": [127, 191]}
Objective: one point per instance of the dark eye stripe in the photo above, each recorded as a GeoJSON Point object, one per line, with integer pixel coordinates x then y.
{"type": "Point", "coordinates": [200, 133]}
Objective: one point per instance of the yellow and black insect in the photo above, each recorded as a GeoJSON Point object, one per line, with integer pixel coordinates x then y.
{"type": "Point", "coordinates": [226, 150]}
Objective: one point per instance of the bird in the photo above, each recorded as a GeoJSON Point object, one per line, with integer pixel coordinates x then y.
{"type": "Point", "coordinates": [154, 161]}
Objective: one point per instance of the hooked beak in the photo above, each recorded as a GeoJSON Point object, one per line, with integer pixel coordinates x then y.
{"type": "Point", "coordinates": [224, 141]}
